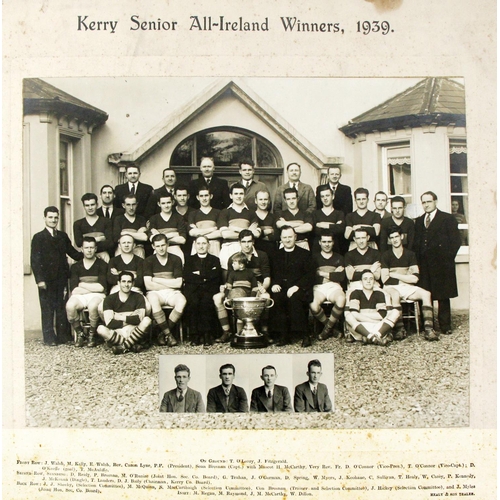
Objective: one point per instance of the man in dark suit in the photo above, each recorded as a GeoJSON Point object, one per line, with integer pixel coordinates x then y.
{"type": "Point", "coordinates": [227, 397]}
{"type": "Point", "coordinates": [107, 208]}
{"type": "Point", "coordinates": [218, 187]}
{"type": "Point", "coordinates": [306, 200]}
{"type": "Point", "coordinates": [169, 181]}
{"type": "Point", "coordinates": [342, 196]}
{"type": "Point", "coordinates": [437, 241]}
{"type": "Point", "coordinates": [50, 267]}
{"type": "Point", "coordinates": [312, 396]}
{"type": "Point", "coordinates": [270, 397]}
{"type": "Point", "coordinates": [141, 191]}
{"type": "Point", "coordinates": [202, 279]}
{"type": "Point", "coordinates": [182, 399]}
{"type": "Point", "coordinates": [292, 281]}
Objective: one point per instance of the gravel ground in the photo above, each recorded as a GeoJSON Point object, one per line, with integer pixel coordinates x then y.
{"type": "Point", "coordinates": [413, 383]}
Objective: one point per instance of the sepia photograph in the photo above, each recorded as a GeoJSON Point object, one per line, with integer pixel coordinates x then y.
{"type": "Point", "coordinates": [243, 218]}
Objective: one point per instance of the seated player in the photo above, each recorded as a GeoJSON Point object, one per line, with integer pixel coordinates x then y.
{"type": "Point", "coordinates": [132, 224]}
{"type": "Point", "coordinates": [270, 397]}
{"type": "Point", "coordinates": [360, 259]}
{"type": "Point", "coordinates": [169, 223]}
{"type": "Point", "coordinates": [312, 396]}
{"type": "Point", "coordinates": [232, 220]}
{"type": "Point", "coordinates": [227, 397]}
{"type": "Point", "coordinates": [398, 218]}
{"type": "Point", "coordinates": [369, 316]}
{"type": "Point", "coordinates": [258, 262]}
{"type": "Point", "coordinates": [292, 216]}
{"type": "Point", "coordinates": [327, 218]}
{"type": "Point", "coordinates": [125, 320]}
{"type": "Point", "coordinates": [203, 222]}
{"type": "Point", "coordinates": [163, 280]}
{"type": "Point", "coordinates": [99, 228]}
{"type": "Point", "coordinates": [400, 277]}
{"type": "Point", "coordinates": [88, 286]}
{"type": "Point", "coordinates": [330, 274]}
{"type": "Point", "coordinates": [362, 218]}
{"type": "Point", "coordinates": [202, 279]}
{"type": "Point", "coordinates": [182, 399]}
{"type": "Point", "coordinates": [126, 260]}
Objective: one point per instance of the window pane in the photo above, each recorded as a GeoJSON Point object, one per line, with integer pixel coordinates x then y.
{"type": "Point", "coordinates": [265, 156]}
{"type": "Point", "coordinates": [459, 184]}
{"type": "Point", "coordinates": [183, 154]}
{"type": "Point", "coordinates": [63, 169]}
{"type": "Point", "coordinates": [399, 171]}
{"type": "Point", "coordinates": [226, 148]}
{"type": "Point", "coordinates": [458, 158]}
{"type": "Point", "coordinates": [459, 208]}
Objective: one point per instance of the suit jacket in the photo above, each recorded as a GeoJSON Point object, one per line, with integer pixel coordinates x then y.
{"type": "Point", "coordinates": [193, 402]}
{"type": "Point", "coordinates": [142, 193]}
{"type": "Point", "coordinates": [216, 400]}
{"type": "Point", "coordinates": [294, 269]}
{"type": "Point", "coordinates": [307, 202]}
{"type": "Point", "coordinates": [341, 201]}
{"type": "Point", "coordinates": [203, 274]}
{"type": "Point", "coordinates": [251, 191]}
{"type": "Point", "coordinates": [303, 398]}
{"type": "Point", "coordinates": [218, 187]}
{"type": "Point", "coordinates": [116, 212]}
{"type": "Point", "coordinates": [436, 249]}
{"type": "Point", "coordinates": [48, 256]}
{"type": "Point", "coordinates": [281, 399]}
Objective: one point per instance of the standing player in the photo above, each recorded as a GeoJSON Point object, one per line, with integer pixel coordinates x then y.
{"type": "Point", "coordinates": [400, 276]}
{"type": "Point", "coordinates": [360, 259]}
{"type": "Point", "coordinates": [330, 274]}
{"type": "Point", "coordinates": [398, 218]}
{"type": "Point", "coordinates": [88, 286]}
{"type": "Point", "coordinates": [163, 280]}
{"type": "Point", "coordinates": [125, 317]}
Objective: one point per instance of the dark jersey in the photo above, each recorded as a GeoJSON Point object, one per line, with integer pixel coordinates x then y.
{"type": "Point", "coordinates": [244, 278]}
{"type": "Point", "coordinates": [134, 301]}
{"type": "Point", "coordinates": [390, 261]}
{"type": "Point", "coordinates": [367, 220]}
{"type": "Point", "coordinates": [328, 266]}
{"type": "Point", "coordinates": [360, 261]}
{"type": "Point", "coordinates": [198, 218]}
{"type": "Point", "coordinates": [122, 222]}
{"type": "Point", "coordinates": [95, 274]}
{"type": "Point", "coordinates": [229, 216]}
{"type": "Point", "coordinates": [171, 270]}
{"type": "Point", "coordinates": [81, 228]}
{"type": "Point", "coordinates": [135, 265]}
{"type": "Point", "coordinates": [358, 301]}
{"type": "Point", "coordinates": [407, 227]}
{"type": "Point", "coordinates": [175, 223]}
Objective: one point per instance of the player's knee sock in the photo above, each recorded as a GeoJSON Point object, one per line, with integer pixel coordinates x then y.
{"type": "Point", "coordinates": [399, 323]}
{"type": "Point", "coordinates": [161, 321]}
{"type": "Point", "coordinates": [134, 337]}
{"type": "Point", "coordinates": [223, 318]}
{"type": "Point", "coordinates": [173, 317]}
{"type": "Point", "coordinates": [116, 338]}
{"type": "Point", "coordinates": [320, 315]}
{"type": "Point", "coordinates": [77, 325]}
{"type": "Point", "coordinates": [93, 319]}
{"type": "Point", "coordinates": [362, 330]}
{"type": "Point", "coordinates": [334, 316]}
{"type": "Point", "coordinates": [385, 328]}
{"type": "Point", "coordinates": [428, 314]}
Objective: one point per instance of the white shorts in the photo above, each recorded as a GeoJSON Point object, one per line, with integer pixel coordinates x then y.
{"type": "Point", "coordinates": [327, 289]}
{"type": "Point", "coordinates": [85, 299]}
{"type": "Point", "coordinates": [226, 251]}
{"type": "Point", "coordinates": [166, 296]}
{"type": "Point", "coordinates": [405, 290]}
{"type": "Point", "coordinates": [176, 250]}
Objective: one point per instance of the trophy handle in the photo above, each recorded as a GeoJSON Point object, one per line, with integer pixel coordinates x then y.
{"type": "Point", "coordinates": [228, 304]}
{"type": "Point", "coordinates": [269, 303]}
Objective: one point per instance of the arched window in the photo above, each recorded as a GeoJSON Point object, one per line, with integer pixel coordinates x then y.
{"type": "Point", "coordinates": [228, 146]}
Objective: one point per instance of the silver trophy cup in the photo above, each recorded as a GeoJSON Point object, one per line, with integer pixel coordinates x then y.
{"type": "Point", "coordinates": [248, 310]}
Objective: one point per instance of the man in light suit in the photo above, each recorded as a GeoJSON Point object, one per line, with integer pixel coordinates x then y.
{"type": "Point", "coordinates": [50, 267]}
{"type": "Point", "coordinates": [182, 399]}
{"type": "Point", "coordinates": [218, 187]}
{"type": "Point", "coordinates": [437, 241]}
{"type": "Point", "coordinates": [307, 202]}
{"type": "Point", "coordinates": [312, 396]}
{"type": "Point", "coordinates": [141, 191]}
{"type": "Point", "coordinates": [227, 397]}
{"type": "Point", "coordinates": [270, 397]}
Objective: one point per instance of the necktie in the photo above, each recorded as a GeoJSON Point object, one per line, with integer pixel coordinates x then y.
{"type": "Point", "coordinates": [132, 191]}
{"type": "Point", "coordinates": [333, 189]}
{"type": "Point", "coordinates": [314, 391]}
{"type": "Point", "coordinates": [180, 396]}
{"type": "Point", "coordinates": [427, 221]}
{"type": "Point", "coordinates": [269, 395]}
{"type": "Point", "coordinates": [106, 213]}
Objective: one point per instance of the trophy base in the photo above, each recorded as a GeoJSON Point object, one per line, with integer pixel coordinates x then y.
{"type": "Point", "coordinates": [253, 342]}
